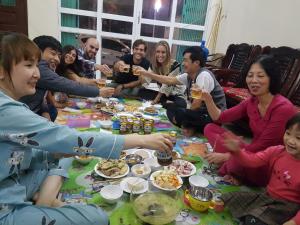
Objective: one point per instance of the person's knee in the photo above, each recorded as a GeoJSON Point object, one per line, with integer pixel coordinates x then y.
{"type": "Point", "coordinates": [209, 129]}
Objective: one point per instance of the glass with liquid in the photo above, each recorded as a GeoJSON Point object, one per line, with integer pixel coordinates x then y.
{"type": "Point", "coordinates": [101, 83]}
{"type": "Point", "coordinates": [164, 158]}
{"type": "Point", "coordinates": [196, 92]}
{"type": "Point", "coordinates": [135, 71]}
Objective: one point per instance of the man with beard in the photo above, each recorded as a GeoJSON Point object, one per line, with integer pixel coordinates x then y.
{"type": "Point", "coordinates": [126, 83]}
{"type": "Point", "coordinates": [87, 58]}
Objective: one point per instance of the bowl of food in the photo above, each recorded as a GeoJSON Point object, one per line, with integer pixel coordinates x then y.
{"type": "Point", "coordinates": [119, 107]}
{"type": "Point", "coordinates": [81, 105]}
{"type": "Point", "coordinates": [199, 198]}
{"type": "Point", "coordinates": [83, 159]}
{"type": "Point", "coordinates": [111, 193]}
{"type": "Point", "coordinates": [133, 159]}
{"type": "Point", "coordinates": [141, 170]}
{"type": "Point", "coordinates": [166, 180]}
{"type": "Point", "coordinates": [156, 207]}
{"type": "Point", "coordinates": [157, 106]}
{"type": "Point", "coordinates": [151, 110]}
{"type": "Point", "coordinates": [106, 124]}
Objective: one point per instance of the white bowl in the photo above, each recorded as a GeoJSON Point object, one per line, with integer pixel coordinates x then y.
{"type": "Point", "coordinates": [198, 181]}
{"type": "Point", "coordinates": [119, 107]}
{"type": "Point", "coordinates": [114, 100]}
{"type": "Point", "coordinates": [152, 162]}
{"type": "Point", "coordinates": [141, 170]}
{"type": "Point", "coordinates": [157, 106]}
{"type": "Point", "coordinates": [81, 105]}
{"type": "Point", "coordinates": [145, 153]}
{"type": "Point", "coordinates": [106, 124]}
{"type": "Point", "coordinates": [111, 193]}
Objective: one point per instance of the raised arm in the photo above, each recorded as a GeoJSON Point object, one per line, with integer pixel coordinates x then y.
{"type": "Point", "coordinates": [160, 78]}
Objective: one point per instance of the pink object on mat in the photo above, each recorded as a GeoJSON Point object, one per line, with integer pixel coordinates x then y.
{"type": "Point", "coordinates": [79, 121]}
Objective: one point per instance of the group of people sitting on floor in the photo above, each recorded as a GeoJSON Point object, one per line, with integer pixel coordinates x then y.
{"type": "Point", "coordinates": [32, 160]}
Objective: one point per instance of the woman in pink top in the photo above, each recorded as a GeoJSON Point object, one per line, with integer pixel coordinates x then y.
{"type": "Point", "coordinates": [267, 112]}
{"type": "Point", "coordinates": [280, 203]}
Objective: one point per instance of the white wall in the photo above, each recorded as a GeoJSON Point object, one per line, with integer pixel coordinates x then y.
{"type": "Point", "coordinates": [264, 22]}
{"type": "Point", "coordinates": [43, 18]}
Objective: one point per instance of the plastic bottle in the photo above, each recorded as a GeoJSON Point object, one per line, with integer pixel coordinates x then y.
{"type": "Point", "coordinates": [205, 50]}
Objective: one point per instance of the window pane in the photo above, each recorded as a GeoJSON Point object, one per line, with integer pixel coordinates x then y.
{"type": "Point", "coordinates": [124, 7]}
{"type": "Point", "coordinates": [90, 5]}
{"type": "Point", "coordinates": [84, 22]}
{"type": "Point", "coordinates": [116, 26]}
{"type": "Point", "coordinates": [113, 49]}
{"type": "Point", "coordinates": [191, 11]}
{"type": "Point", "coordinates": [163, 13]}
{"type": "Point", "coordinates": [187, 35]}
{"type": "Point", "coordinates": [154, 31]}
{"type": "Point", "coordinates": [177, 51]}
{"type": "Point", "coordinates": [7, 2]}
{"type": "Point", "coordinates": [69, 39]}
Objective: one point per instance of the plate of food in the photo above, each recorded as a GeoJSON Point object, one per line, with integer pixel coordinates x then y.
{"type": "Point", "coordinates": [166, 180]}
{"type": "Point", "coordinates": [135, 185]}
{"type": "Point", "coordinates": [112, 168]}
{"type": "Point", "coordinates": [150, 110]}
{"type": "Point", "coordinates": [183, 168]}
{"type": "Point", "coordinates": [108, 110]}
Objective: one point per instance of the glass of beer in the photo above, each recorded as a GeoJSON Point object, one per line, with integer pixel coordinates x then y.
{"type": "Point", "coordinates": [125, 68]}
{"type": "Point", "coordinates": [109, 73]}
{"type": "Point", "coordinates": [135, 71]}
{"type": "Point", "coordinates": [101, 83]}
{"type": "Point", "coordinates": [196, 92]}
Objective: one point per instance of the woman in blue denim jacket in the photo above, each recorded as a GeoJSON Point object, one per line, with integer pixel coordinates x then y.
{"type": "Point", "coordinates": [28, 144]}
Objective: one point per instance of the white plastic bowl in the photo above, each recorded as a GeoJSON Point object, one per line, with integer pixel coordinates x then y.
{"type": "Point", "coordinates": [106, 124]}
{"type": "Point", "coordinates": [111, 193]}
{"type": "Point", "coordinates": [119, 107]}
{"type": "Point", "coordinates": [198, 181]}
{"type": "Point", "coordinates": [157, 106]}
{"type": "Point", "coordinates": [81, 105]}
{"type": "Point", "coordinates": [141, 170]}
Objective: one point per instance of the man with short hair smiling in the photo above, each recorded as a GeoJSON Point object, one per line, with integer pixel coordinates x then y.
{"type": "Point", "coordinates": [87, 57]}
{"type": "Point", "coordinates": [51, 81]}
{"type": "Point", "coordinates": [126, 83]}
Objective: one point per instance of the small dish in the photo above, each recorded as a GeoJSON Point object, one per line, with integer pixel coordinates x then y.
{"type": "Point", "coordinates": [114, 100]}
{"type": "Point", "coordinates": [111, 193]}
{"type": "Point", "coordinates": [119, 107]}
{"type": "Point", "coordinates": [198, 181]}
{"type": "Point", "coordinates": [99, 172]}
{"type": "Point", "coordinates": [157, 106]}
{"type": "Point", "coordinates": [141, 170]}
{"type": "Point", "coordinates": [135, 185]}
{"type": "Point", "coordinates": [81, 105]}
{"type": "Point", "coordinates": [82, 159]}
{"type": "Point", "coordinates": [106, 124]}
{"type": "Point", "coordinates": [133, 159]}
{"type": "Point", "coordinates": [145, 153]}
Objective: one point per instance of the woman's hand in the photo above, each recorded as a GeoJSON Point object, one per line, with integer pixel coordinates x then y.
{"type": "Point", "coordinates": [107, 92]}
{"type": "Point", "coordinates": [217, 158]}
{"type": "Point", "coordinates": [161, 142]}
{"type": "Point", "coordinates": [231, 141]}
{"type": "Point", "coordinates": [290, 222]}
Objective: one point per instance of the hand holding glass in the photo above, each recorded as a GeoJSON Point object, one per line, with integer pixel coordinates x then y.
{"type": "Point", "coordinates": [196, 92]}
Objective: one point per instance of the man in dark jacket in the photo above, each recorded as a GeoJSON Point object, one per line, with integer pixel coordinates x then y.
{"type": "Point", "coordinates": [51, 81]}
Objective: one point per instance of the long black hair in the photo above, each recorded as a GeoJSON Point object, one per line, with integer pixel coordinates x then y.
{"type": "Point", "coordinates": [63, 67]}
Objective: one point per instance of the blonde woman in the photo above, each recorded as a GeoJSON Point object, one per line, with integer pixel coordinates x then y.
{"type": "Point", "coordinates": [162, 64]}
